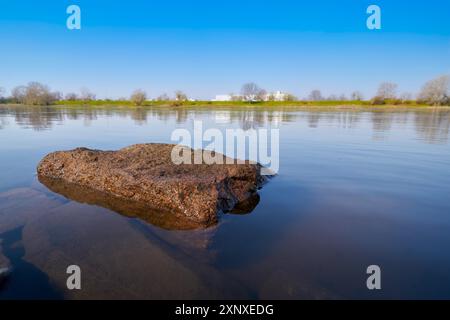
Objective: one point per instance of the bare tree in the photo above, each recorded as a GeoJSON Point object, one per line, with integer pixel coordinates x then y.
{"type": "Point", "coordinates": [18, 94]}
{"type": "Point", "coordinates": [86, 94]}
{"type": "Point", "coordinates": [332, 97]}
{"type": "Point", "coordinates": [138, 97]}
{"type": "Point", "coordinates": [315, 95]}
{"type": "Point", "coordinates": [71, 96]}
{"type": "Point", "coordinates": [34, 93]}
{"type": "Point", "coordinates": [180, 96]}
{"type": "Point", "coordinates": [262, 95]}
{"type": "Point", "coordinates": [163, 97]}
{"type": "Point", "coordinates": [2, 97]}
{"type": "Point", "coordinates": [436, 91]}
{"type": "Point", "coordinates": [357, 96]}
{"type": "Point", "coordinates": [252, 92]}
{"type": "Point", "coordinates": [387, 90]}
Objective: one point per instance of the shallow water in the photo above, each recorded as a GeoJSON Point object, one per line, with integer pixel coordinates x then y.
{"type": "Point", "coordinates": [354, 189]}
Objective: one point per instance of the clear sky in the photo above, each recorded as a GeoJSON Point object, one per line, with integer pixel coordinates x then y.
{"type": "Point", "coordinates": [207, 47]}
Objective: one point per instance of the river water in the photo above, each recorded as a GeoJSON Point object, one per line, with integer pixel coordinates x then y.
{"type": "Point", "coordinates": [354, 189]}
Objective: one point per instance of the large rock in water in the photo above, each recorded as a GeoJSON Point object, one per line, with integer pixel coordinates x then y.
{"type": "Point", "coordinates": [145, 173]}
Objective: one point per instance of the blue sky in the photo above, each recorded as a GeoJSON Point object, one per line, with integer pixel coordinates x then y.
{"type": "Point", "coordinates": [213, 47]}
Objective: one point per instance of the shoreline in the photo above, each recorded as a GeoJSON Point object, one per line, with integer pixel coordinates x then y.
{"type": "Point", "coordinates": [239, 107]}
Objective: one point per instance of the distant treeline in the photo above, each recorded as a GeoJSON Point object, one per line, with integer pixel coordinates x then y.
{"type": "Point", "coordinates": [433, 92]}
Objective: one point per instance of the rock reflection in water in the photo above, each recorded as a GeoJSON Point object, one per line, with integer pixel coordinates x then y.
{"type": "Point", "coordinates": [133, 209]}
{"type": "Point", "coordinates": [120, 258]}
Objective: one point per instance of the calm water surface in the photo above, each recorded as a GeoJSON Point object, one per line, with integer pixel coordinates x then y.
{"type": "Point", "coordinates": [354, 189]}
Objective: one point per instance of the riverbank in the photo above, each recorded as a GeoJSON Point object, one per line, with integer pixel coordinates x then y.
{"type": "Point", "coordinates": [238, 105]}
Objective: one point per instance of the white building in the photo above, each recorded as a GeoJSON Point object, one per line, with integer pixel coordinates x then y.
{"type": "Point", "coordinates": [276, 96]}
{"type": "Point", "coordinates": [270, 96]}
{"type": "Point", "coordinates": [223, 97]}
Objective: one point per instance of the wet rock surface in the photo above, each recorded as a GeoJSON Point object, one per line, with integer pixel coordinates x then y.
{"type": "Point", "coordinates": [182, 196]}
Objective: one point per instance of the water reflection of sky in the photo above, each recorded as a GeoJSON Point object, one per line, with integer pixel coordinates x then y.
{"type": "Point", "coordinates": [432, 126]}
